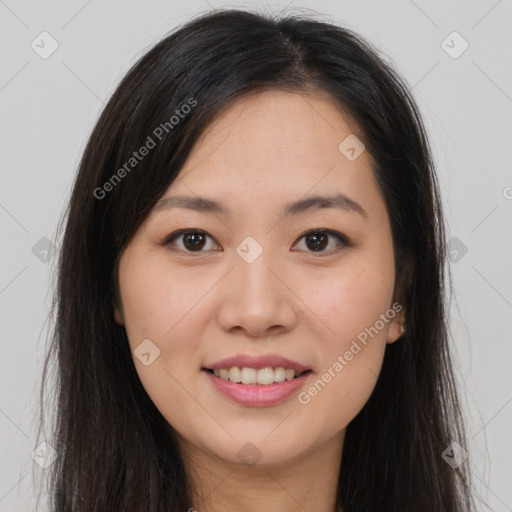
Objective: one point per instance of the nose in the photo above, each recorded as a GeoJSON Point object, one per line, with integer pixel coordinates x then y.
{"type": "Point", "coordinates": [256, 298]}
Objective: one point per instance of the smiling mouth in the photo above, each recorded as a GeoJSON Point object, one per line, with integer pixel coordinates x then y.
{"type": "Point", "coordinates": [251, 376]}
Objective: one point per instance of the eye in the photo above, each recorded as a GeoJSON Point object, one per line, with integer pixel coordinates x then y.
{"type": "Point", "coordinates": [195, 240]}
{"type": "Point", "coordinates": [192, 240]}
{"type": "Point", "coordinates": [317, 240]}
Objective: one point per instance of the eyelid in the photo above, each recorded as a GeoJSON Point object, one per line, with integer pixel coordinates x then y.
{"type": "Point", "coordinates": [167, 241]}
{"type": "Point", "coordinates": [343, 240]}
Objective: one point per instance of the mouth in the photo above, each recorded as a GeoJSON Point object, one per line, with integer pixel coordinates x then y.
{"type": "Point", "coordinates": [262, 387]}
{"type": "Point", "coordinates": [266, 376]}
{"type": "Point", "coordinates": [257, 380]}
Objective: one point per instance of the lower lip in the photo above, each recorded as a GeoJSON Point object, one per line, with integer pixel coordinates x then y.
{"type": "Point", "coordinates": [256, 395]}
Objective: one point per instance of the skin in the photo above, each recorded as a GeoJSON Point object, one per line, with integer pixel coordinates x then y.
{"type": "Point", "coordinates": [266, 150]}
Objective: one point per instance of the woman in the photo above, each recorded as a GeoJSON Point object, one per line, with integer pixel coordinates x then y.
{"type": "Point", "coordinates": [250, 300]}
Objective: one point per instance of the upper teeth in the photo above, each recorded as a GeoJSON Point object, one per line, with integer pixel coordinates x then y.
{"type": "Point", "coordinates": [264, 376]}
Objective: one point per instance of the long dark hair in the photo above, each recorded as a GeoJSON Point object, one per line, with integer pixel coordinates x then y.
{"type": "Point", "coordinates": [116, 451]}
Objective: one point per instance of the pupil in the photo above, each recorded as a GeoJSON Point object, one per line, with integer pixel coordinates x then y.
{"type": "Point", "coordinates": [317, 243]}
{"type": "Point", "coordinates": [196, 238]}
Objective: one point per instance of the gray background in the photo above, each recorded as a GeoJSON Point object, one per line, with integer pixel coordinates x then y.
{"type": "Point", "coordinates": [48, 107]}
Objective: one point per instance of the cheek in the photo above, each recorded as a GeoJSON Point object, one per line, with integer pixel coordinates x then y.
{"type": "Point", "coordinates": [349, 312]}
{"type": "Point", "coordinates": [348, 302]}
{"type": "Point", "coordinates": [338, 394]}
{"type": "Point", "coordinates": [164, 306]}
{"type": "Point", "coordinates": [157, 302]}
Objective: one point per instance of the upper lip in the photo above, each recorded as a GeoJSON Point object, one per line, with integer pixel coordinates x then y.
{"type": "Point", "coordinates": [257, 362]}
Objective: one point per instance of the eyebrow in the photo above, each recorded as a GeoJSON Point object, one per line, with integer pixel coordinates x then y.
{"type": "Point", "coordinates": [205, 205]}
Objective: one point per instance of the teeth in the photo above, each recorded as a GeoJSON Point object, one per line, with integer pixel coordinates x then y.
{"type": "Point", "coordinates": [279, 374]}
{"type": "Point", "coordinates": [263, 376]}
{"type": "Point", "coordinates": [234, 374]}
{"type": "Point", "coordinates": [290, 374]}
{"type": "Point", "coordinates": [248, 376]}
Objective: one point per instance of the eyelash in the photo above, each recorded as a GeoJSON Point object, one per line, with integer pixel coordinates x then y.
{"type": "Point", "coordinates": [340, 237]}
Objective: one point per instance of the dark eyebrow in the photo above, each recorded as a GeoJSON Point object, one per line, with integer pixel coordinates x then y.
{"type": "Point", "coordinates": [203, 204]}
{"type": "Point", "coordinates": [198, 204]}
{"type": "Point", "coordinates": [318, 202]}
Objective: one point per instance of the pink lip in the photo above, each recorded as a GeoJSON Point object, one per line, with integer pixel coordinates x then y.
{"type": "Point", "coordinates": [256, 395]}
{"type": "Point", "coordinates": [257, 362]}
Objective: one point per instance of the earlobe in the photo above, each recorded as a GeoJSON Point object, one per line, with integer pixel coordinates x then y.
{"type": "Point", "coordinates": [396, 330]}
{"type": "Point", "coordinates": [118, 317]}
{"type": "Point", "coordinates": [404, 282]}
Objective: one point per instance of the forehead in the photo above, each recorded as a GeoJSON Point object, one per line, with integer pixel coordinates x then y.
{"type": "Point", "coordinates": [275, 147]}
{"type": "Point", "coordinates": [304, 129]}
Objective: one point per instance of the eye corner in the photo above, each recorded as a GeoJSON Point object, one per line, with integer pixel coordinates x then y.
{"type": "Point", "coordinates": [168, 242]}
{"type": "Point", "coordinates": [342, 239]}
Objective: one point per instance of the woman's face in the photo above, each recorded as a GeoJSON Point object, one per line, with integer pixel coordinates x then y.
{"type": "Point", "coordinates": [261, 281]}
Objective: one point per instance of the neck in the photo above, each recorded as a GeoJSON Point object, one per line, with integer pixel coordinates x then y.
{"type": "Point", "coordinates": [308, 482]}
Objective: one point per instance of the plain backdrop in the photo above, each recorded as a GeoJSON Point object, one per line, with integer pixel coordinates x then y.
{"type": "Point", "coordinates": [462, 83]}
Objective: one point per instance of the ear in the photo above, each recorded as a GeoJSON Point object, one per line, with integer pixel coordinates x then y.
{"type": "Point", "coordinates": [118, 316]}
{"type": "Point", "coordinates": [396, 328]}
{"type": "Point", "coordinates": [402, 287]}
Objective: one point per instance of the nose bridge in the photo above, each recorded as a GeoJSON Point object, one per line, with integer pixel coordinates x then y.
{"type": "Point", "coordinates": [254, 280]}
{"type": "Point", "coordinates": [256, 299]}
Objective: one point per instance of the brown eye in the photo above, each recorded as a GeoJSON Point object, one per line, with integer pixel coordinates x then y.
{"type": "Point", "coordinates": [318, 240]}
{"type": "Point", "coordinates": [191, 240]}
{"type": "Point", "coordinates": [196, 241]}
